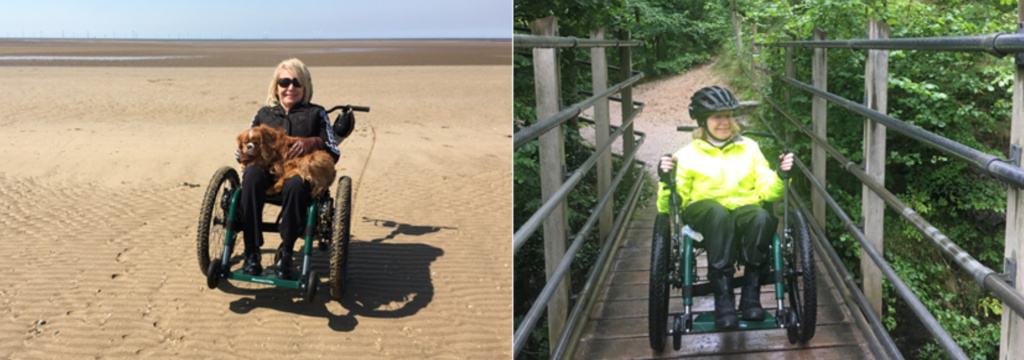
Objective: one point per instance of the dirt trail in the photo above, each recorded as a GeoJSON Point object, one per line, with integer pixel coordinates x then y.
{"type": "Point", "coordinates": [666, 102]}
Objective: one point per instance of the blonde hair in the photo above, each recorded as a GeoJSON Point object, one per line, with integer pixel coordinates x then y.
{"type": "Point", "coordinates": [297, 67]}
{"type": "Point", "coordinates": [699, 133]}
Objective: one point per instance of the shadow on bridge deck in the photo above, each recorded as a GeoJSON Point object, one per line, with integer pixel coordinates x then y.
{"type": "Point", "coordinates": [617, 326]}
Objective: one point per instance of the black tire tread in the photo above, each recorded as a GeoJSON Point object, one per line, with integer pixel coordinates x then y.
{"type": "Point", "coordinates": [658, 296]}
{"type": "Point", "coordinates": [340, 236]}
{"type": "Point", "coordinates": [225, 173]}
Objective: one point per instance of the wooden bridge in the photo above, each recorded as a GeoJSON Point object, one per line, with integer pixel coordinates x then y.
{"type": "Point", "coordinates": [617, 326]}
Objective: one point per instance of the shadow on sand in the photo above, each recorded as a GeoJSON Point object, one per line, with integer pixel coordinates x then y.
{"type": "Point", "coordinates": [385, 280]}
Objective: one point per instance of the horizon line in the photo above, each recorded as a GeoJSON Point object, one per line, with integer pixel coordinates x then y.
{"type": "Point", "coordinates": [258, 39]}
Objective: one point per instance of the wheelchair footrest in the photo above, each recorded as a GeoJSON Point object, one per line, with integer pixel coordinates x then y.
{"type": "Point", "coordinates": [704, 322]}
{"type": "Point", "coordinates": [268, 279]}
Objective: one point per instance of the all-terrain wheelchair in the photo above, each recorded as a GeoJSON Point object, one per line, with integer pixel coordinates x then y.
{"type": "Point", "coordinates": [328, 223]}
{"type": "Point", "coordinates": [674, 266]}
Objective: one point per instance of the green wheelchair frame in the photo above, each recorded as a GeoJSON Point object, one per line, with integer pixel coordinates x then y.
{"type": "Point", "coordinates": [327, 222]}
{"type": "Point", "coordinates": [673, 265]}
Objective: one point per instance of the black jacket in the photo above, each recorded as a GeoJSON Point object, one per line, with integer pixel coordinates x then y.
{"type": "Point", "coordinates": [304, 120]}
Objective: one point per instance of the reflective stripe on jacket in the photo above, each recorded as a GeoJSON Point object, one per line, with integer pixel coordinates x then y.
{"type": "Point", "coordinates": [735, 175]}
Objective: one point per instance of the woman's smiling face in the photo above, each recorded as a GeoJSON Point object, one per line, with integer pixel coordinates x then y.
{"type": "Point", "coordinates": [292, 93]}
{"type": "Point", "coordinates": [720, 125]}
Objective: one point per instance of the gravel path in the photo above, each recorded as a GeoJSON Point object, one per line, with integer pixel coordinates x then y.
{"type": "Point", "coordinates": [666, 102]}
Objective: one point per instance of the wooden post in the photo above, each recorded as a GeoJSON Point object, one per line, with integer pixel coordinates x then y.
{"type": "Point", "coordinates": [876, 79]}
{"type": "Point", "coordinates": [1011, 339]}
{"type": "Point", "coordinates": [625, 71]}
{"type": "Point", "coordinates": [552, 171]}
{"type": "Point", "coordinates": [599, 81]}
{"type": "Point", "coordinates": [819, 75]}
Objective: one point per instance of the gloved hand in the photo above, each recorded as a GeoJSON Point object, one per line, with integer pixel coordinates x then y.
{"type": "Point", "coordinates": [304, 146]}
{"type": "Point", "coordinates": [786, 162]}
{"type": "Point", "coordinates": [665, 167]}
{"type": "Point", "coordinates": [344, 123]}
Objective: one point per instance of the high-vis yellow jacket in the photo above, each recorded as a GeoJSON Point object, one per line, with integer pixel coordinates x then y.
{"type": "Point", "coordinates": [735, 175]}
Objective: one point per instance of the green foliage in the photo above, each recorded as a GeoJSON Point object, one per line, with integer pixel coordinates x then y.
{"type": "Point", "coordinates": [962, 96]}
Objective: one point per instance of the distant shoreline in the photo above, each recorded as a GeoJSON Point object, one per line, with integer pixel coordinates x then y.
{"type": "Point", "coordinates": [508, 39]}
{"type": "Point", "coordinates": [251, 52]}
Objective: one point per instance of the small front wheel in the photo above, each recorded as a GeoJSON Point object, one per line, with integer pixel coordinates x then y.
{"type": "Point", "coordinates": [213, 275]}
{"type": "Point", "coordinates": [677, 333]}
{"type": "Point", "coordinates": [312, 282]}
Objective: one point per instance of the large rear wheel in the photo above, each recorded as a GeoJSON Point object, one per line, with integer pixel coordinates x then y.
{"type": "Point", "coordinates": [657, 306]}
{"type": "Point", "coordinates": [341, 235]}
{"type": "Point", "coordinates": [213, 220]}
{"type": "Point", "coordinates": [802, 290]}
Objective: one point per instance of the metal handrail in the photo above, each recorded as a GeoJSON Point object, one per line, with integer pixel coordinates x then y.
{"type": "Point", "coordinates": [997, 44]}
{"type": "Point", "coordinates": [984, 276]}
{"type": "Point", "coordinates": [840, 275]}
{"type": "Point", "coordinates": [533, 223]}
{"type": "Point", "coordinates": [531, 132]}
{"type": "Point", "coordinates": [904, 292]}
{"type": "Point", "coordinates": [579, 312]}
{"type": "Point", "coordinates": [522, 333]}
{"type": "Point", "coordinates": [537, 41]}
{"type": "Point", "coordinates": [991, 165]}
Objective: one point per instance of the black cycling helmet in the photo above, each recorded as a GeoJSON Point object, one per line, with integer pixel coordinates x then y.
{"type": "Point", "coordinates": [709, 100]}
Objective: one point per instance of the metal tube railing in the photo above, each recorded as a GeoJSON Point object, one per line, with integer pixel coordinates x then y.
{"type": "Point", "coordinates": [904, 292]}
{"type": "Point", "coordinates": [833, 260]}
{"type": "Point", "coordinates": [994, 166]}
{"type": "Point", "coordinates": [522, 333]}
{"type": "Point", "coordinates": [536, 41]}
{"type": "Point", "coordinates": [531, 132]}
{"type": "Point", "coordinates": [998, 44]}
{"type": "Point", "coordinates": [533, 223]}
{"type": "Point", "coordinates": [579, 311]}
{"type": "Point", "coordinates": [984, 276]}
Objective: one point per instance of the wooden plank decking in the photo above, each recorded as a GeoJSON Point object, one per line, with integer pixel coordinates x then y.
{"type": "Point", "coordinates": [617, 325]}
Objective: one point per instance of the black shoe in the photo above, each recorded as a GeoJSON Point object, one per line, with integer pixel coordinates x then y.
{"type": "Point", "coordinates": [725, 305]}
{"type": "Point", "coordinates": [252, 265]}
{"type": "Point", "coordinates": [284, 264]}
{"type": "Point", "coordinates": [750, 297]}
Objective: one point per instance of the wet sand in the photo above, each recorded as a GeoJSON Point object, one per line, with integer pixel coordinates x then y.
{"type": "Point", "coordinates": [234, 53]}
{"type": "Point", "coordinates": [103, 168]}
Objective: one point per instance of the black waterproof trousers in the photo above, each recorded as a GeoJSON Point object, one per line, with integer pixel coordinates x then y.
{"type": "Point", "coordinates": [747, 230]}
{"type": "Point", "coordinates": [295, 196]}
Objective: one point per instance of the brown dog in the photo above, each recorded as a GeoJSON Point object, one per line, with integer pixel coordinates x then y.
{"type": "Point", "coordinates": [267, 147]}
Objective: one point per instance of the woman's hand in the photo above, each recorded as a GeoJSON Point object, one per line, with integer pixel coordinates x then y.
{"type": "Point", "coordinates": [304, 146]}
{"type": "Point", "coordinates": [786, 161]}
{"type": "Point", "coordinates": [667, 164]}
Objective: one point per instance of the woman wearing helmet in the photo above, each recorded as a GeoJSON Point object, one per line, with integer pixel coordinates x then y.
{"type": "Point", "coordinates": [722, 180]}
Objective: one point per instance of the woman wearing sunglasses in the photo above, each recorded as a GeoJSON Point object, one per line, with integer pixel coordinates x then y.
{"type": "Point", "coordinates": [288, 107]}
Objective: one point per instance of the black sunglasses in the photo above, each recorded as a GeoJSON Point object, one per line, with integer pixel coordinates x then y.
{"type": "Point", "coordinates": [284, 82]}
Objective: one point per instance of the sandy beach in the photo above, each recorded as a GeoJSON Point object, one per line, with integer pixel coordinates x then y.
{"type": "Point", "coordinates": [103, 168]}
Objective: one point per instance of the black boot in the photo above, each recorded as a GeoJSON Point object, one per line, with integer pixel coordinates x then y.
{"type": "Point", "coordinates": [284, 264]}
{"type": "Point", "coordinates": [725, 306]}
{"type": "Point", "coordinates": [750, 297]}
{"type": "Point", "coordinates": [252, 264]}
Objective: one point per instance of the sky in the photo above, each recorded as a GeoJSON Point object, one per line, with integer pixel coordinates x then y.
{"type": "Point", "coordinates": [258, 19]}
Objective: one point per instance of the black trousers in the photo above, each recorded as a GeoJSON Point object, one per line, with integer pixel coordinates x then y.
{"type": "Point", "coordinates": [296, 199]}
{"type": "Point", "coordinates": [747, 230]}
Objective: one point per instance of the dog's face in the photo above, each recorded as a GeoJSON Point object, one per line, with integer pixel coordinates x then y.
{"type": "Point", "coordinates": [256, 145]}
